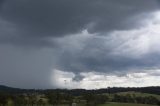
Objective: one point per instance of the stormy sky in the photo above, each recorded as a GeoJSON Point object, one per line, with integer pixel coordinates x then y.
{"type": "Point", "coordinates": [79, 43]}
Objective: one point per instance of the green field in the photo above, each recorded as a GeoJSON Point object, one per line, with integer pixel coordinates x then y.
{"type": "Point", "coordinates": [124, 104]}
{"type": "Point", "coordinates": [105, 99]}
{"type": "Point", "coordinates": [132, 93]}
{"type": "Point", "coordinates": [139, 94]}
{"type": "Point", "coordinates": [109, 104]}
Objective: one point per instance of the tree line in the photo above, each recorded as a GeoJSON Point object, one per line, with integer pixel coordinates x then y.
{"type": "Point", "coordinates": [57, 98]}
{"type": "Point", "coordinates": [19, 97]}
{"type": "Point", "coordinates": [136, 99]}
{"type": "Point", "coordinates": [76, 92]}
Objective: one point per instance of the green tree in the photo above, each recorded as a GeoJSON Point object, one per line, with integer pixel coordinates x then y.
{"type": "Point", "coordinates": [54, 98]}
{"type": "Point", "coordinates": [3, 99]}
{"type": "Point", "coordinates": [40, 102]}
{"type": "Point", "coordinates": [32, 99]}
{"type": "Point", "coordinates": [94, 100]}
{"type": "Point", "coordinates": [19, 100]}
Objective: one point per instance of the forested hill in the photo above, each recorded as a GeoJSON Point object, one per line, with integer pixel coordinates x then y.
{"type": "Point", "coordinates": [151, 90]}
{"type": "Point", "coordinates": [6, 89]}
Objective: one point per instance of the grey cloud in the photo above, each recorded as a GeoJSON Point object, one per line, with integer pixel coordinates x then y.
{"type": "Point", "coordinates": [97, 56]}
{"type": "Point", "coordinates": [28, 42]}
{"type": "Point", "coordinates": [1, 3]}
{"type": "Point", "coordinates": [154, 72]}
{"type": "Point", "coordinates": [77, 77]}
{"type": "Point", "coordinates": [56, 18]}
{"type": "Point", "coordinates": [53, 25]}
{"type": "Point", "coordinates": [25, 68]}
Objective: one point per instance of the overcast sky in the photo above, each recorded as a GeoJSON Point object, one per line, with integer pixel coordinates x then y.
{"type": "Point", "coordinates": [79, 43]}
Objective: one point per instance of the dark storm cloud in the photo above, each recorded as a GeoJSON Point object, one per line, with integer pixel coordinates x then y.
{"type": "Point", "coordinates": [99, 57]}
{"type": "Point", "coordinates": [25, 68]}
{"type": "Point", "coordinates": [77, 77]}
{"type": "Point", "coordinates": [30, 42]}
{"type": "Point", "coordinates": [1, 2]}
{"type": "Point", "coordinates": [55, 18]}
{"type": "Point", "coordinates": [53, 26]}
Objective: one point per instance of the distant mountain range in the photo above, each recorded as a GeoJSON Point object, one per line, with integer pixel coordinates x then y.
{"type": "Point", "coordinates": [5, 88]}
{"type": "Point", "coordinates": [9, 89]}
{"type": "Point", "coordinates": [151, 90]}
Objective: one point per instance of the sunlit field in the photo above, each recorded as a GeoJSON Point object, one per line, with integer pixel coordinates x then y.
{"type": "Point", "coordinates": [124, 104]}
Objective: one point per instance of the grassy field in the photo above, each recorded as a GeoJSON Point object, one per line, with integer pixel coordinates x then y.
{"type": "Point", "coordinates": [124, 104]}
{"type": "Point", "coordinates": [112, 104]}
{"type": "Point", "coordinates": [139, 94]}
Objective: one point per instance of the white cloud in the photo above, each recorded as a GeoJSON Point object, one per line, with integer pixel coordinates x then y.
{"type": "Point", "coordinates": [132, 44]}
{"type": "Point", "coordinates": [139, 42]}
{"type": "Point", "coordinates": [62, 79]}
{"type": "Point", "coordinates": [94, 80]}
